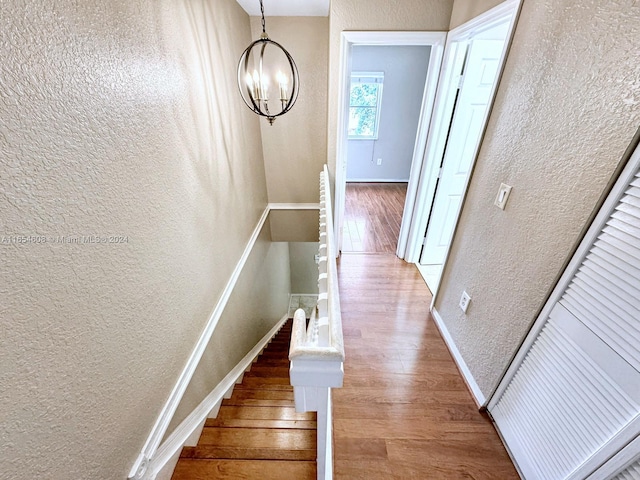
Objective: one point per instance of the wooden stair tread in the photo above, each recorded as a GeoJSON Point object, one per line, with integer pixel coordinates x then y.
{"type": "Point", "coordinates": [193, 469]}
{"type": "Point", "coordinates": [256, 423]}
{"type": "Point", "coordinates": [263, 413]}
{"type": "Point", "coordinates": [264, 386]}
{"type": "Point", "coordinates": [258, 393]}
{"type": "Point", "coordinates": [281, 363]}
{"type": "Point", "coordinates": [267, 371]}
{"type": "Point", "coordinates": [248, 453]}
{"type": "Point", "coordinates": [276, 383]}
{"type": "Point", "coordinates": [267, 438]}
{"type": "Point", "coordinates": [257, 402]}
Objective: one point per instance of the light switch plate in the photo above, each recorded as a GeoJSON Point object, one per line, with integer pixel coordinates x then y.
{"type": "Point", "coordinates": [503, 196]}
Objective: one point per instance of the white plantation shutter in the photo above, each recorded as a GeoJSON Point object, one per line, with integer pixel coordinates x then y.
{"type": "Point", "coordinates": [574, 398]}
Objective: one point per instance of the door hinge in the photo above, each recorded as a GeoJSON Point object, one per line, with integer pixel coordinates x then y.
{"type": "Point", "coordinates": [440, 172]}
{"type": "Point", "coordinates": [460, 81]}
{"type": "Point", "coordinates": [424, 241]}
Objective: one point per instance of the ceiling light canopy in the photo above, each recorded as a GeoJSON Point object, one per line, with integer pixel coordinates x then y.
{"type": "Point", "coordinates": [268, 77]}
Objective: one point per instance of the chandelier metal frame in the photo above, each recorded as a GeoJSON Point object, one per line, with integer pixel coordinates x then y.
{"type": "Point", "coordinates": [254, 88]}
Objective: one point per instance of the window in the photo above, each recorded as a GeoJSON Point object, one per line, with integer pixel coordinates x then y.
{"type": "Point", "coordinates": [365, 99]}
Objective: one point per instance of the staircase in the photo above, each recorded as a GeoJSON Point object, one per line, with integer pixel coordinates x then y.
{"type": "Point", "coordinates": [257, 433]}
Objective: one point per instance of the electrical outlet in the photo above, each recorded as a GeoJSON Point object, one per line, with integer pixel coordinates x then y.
{"type": "Point", "coordinates": [464, 301]}
{"type": "Point", "coordinates": [379, 161]}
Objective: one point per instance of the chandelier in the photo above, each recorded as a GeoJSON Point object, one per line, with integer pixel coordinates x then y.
{"type": "Point", "coordinates": [268, 77]}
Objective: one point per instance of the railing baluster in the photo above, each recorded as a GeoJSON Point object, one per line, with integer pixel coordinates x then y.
{"type": "Point", "coordinates": [317, 352]}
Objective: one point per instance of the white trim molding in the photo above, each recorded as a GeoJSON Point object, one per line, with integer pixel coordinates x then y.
{"type": "Point", "coordinates": [476, 393]}
{"type": "Point", "coordinates": [377, 180]}
{"type": "Point", "coordinates": [293, 206]}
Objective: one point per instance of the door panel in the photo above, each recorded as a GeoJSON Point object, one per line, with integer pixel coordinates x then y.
{"type": "Point", "coordinates": [480, 73]}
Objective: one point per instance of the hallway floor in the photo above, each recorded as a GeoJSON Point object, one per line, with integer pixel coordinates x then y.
{"type": "Point", "coordinates": [372, 216]}
{"type": "Point", "coordinates": [404, 411]}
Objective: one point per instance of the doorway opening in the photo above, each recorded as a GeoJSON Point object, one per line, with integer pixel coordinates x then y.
{"type": "Point", "coordinates": [385, 96]}
{"type": "Point", "coordinates": [373, 158]}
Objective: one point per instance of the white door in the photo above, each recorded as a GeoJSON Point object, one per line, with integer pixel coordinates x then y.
{"type": "Point", "coordinates": [478, 78]}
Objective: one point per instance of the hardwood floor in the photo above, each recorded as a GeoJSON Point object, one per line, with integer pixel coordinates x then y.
{"type": "Point", "coordinates": [373, 212]}
{"type": "Point", "coordinates": [404, 411]}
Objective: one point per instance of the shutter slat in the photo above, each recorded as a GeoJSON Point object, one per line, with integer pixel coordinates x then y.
{"type": "Point", "coordinates": [633, 191]}
{"type": "Point", "coordinates": [626, 240]}
{"type": "Point", "coordinates": [632, 201]}
{"type": "Point", "coordinates": [616, 313]}
{"type": "Point", "coordinates": [626, 206]}
{"type": "Point", "coordinates": [607, 282]}
{"type": "Point", "coordinates": [628, 273]}
{"type": "Point", "coordinates": [620, 276]}
{"type": "Point", "coordinates": [626, 255]}
{"type": "Point", "coordinates": [568, 405]}
{"type": "Point", "coordinates": [562, 415]}
{"type": "Point", "coordinates": [624, 222]}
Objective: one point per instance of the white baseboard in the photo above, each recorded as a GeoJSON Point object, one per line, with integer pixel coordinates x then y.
{"type": "Point", "coordinates": [477, 394]}
{"type": "Point", "coordinates": [194, 438]}
{"type": "Point", "coordinates": [378, 180]}
{"type": "Point", "coordinates": [293, 206]}
{"type": "Point", "coordinates": [167, 471]}
{"type": "Point", "coordinates": [198, 416]}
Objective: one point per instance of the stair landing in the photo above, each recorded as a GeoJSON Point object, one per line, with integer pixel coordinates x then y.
{"type": "Point", "coordinates": [257, 433]}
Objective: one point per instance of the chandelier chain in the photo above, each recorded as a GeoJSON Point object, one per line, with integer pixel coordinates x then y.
{"type": "Point", "coordinates": [262, 12]}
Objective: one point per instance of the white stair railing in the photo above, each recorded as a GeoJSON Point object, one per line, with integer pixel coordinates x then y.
{"type": "Point", "coordinates": [317, 351]}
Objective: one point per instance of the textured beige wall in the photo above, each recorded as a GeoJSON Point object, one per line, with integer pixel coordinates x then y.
{"type": "Point", "coordinates": [374, 15]}
{"type": "Point", "coordinates": [304, 270]}
{"type": "Point", "coordinates": [465, 10]}
{"type": "Point", "coordinates": [295, 146]}
{"type": "Point", "coordinates": [261, 296]}
{"type": "Point", "coordinates": [566, 110]}
{"type": "Point", "coordinates": [294, 225]}
{"type": "Point", "coordinates": [117, 118]}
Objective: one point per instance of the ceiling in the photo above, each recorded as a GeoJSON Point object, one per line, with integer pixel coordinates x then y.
{"type": "Point", "coordinates": [287, 8]}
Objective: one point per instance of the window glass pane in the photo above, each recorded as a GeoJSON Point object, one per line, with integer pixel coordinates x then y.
{"type": "Point", "coordinates": [362, 121]}
{"type": "Point", "coordinates": [364, 94]}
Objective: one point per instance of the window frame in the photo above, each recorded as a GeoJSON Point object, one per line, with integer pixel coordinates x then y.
{"type": "Point", "coordinates": [367, 78]}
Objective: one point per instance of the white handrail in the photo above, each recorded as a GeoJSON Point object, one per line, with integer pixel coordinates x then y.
{"type": "Point", "coordinates": [317, 351]}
